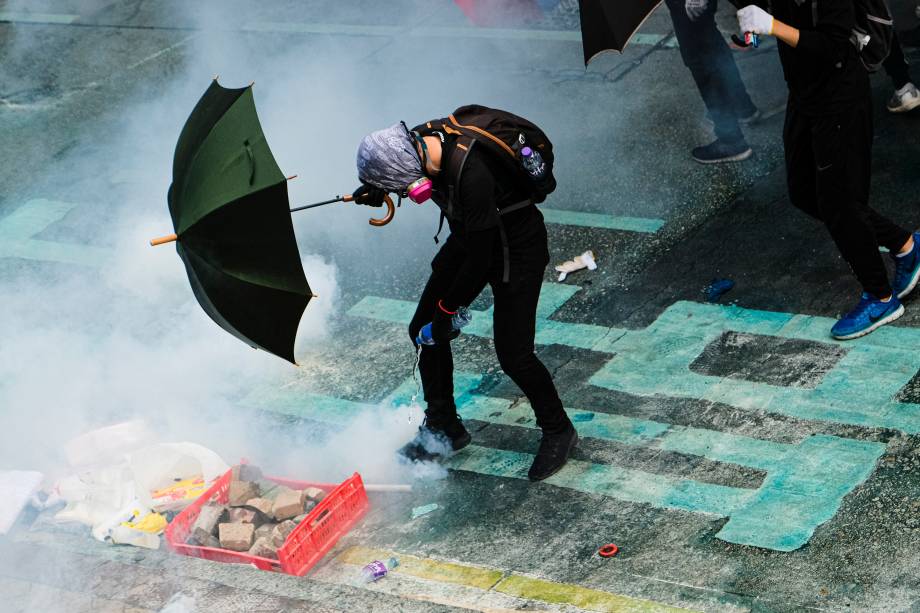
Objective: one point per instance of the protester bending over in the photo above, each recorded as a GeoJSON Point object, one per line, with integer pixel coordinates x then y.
{"type": "Point", "coordinates": [497, 237]}
{"type": "Point", "coordinates": [705, 52]}
{"type": "Point", "coordinates": [828, 146]}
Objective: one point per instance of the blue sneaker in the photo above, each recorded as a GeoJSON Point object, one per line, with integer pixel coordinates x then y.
{"type": "Point", "coordinates": [907, 270]}
{"type": "Point", "coordinates": [868, 315]}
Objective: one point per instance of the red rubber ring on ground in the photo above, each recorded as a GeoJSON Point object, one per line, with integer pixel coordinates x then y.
{"type": "Point", "coordinates": [608, 551]}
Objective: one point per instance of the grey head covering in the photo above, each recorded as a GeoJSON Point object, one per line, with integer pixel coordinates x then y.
{"type": "Point", "coordinates": [387, 158]}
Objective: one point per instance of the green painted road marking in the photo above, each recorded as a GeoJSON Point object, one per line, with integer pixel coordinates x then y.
{"type": "Point", "coordinates": [598, 220]}
{"type": "Point", "coordinates": [49, 18]}
{"type": "Point", "coordinates": [621, 483]}
{"type": "Point", "coordinates": [808, 481]}
{"type": "Point", "coordinates": [512, 584]}
{"type": "Point", "coordinates": [19, 227]}
{"type": "Point", "coordinates": [859, 390]}
{"type": "Point", "coordinates": [549, 332]}
{"type": "Point", "coordinates": [805, 483]}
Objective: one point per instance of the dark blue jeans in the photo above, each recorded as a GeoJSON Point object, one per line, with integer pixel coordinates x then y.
{"type": "Point", "coordinates": [709, 58]}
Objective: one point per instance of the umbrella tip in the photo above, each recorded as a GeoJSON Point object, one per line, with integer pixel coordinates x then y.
{"type": "Point", "coordinates": [251, 83]}
{"type": "Point", "coordinates": [292, 177]}
{"type": "Point", "coordinates": [216, 77]}
{"type": "Point", "coordinates": [315, 295]}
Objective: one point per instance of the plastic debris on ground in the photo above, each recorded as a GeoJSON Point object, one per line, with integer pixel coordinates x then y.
{"type": "Point", "coordinates": [424, 510]}
{"type": "Point", "coordinates": [377, 570]}
{"type": "Point", "coordinates": [585, 260]}
{"type": "Point", "coordinates": [122, 485]}
{"type": "Point", "coordinates": [717, 288]}
{"type": "Point", "coordinates": [16, 490]}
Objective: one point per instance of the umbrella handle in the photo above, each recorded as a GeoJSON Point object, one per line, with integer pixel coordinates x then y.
{"type": "Point", "coordinates": [378, 223]}
{"type": "Point", "coordinates": [163, 240]}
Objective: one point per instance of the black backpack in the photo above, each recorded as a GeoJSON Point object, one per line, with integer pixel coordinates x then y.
{"type": "Point", "coordinates": [873, 33]}
{"type": "Point", "coordinates": [502, 133]}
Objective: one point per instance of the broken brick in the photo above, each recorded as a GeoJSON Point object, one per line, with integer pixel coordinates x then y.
{"type": "Point", "coordinates": [281, 532]}
{"type": "Point", "coordinates": [265, 531]}
{"type": "Point", "coordinates": [263, 548]}
{"type": "Point", "coordinates": [236, 537]}
{"type": "Point", "coordinates": [206, 523]}
{"type": "Point", "coordinates": [241, 492]}
{"type": "Point", "coordinates": [314, 493]}
{"type": "Point", "coordinates": [288, 504]}
{"type": "Point", "coordinates": [264, 505]}
{"type": "Point", "coordinates": [246, 515]}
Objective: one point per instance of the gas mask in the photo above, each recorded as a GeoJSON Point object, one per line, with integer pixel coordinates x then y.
{"type": "Point", "coordinates": [420, 190]}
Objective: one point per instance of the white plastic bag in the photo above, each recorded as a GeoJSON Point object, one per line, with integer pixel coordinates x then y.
{"type": "Point", "coordinates": [107, 446]}
{"type": "Point", "coordinates": [170, 476]}
{"type": "Point", "coordinates": [92, 496]}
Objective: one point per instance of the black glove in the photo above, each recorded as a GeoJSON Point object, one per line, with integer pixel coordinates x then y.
{"type": "Point", "coordinates": [369, 195]}
{"type": "Point", "coordinates": [442, 326]}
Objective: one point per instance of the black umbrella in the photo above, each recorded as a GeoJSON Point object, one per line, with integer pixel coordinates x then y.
{"type": "Point", "coordinates": [607, 25]}
{"type": "Point", "coordinates": [229, 207]}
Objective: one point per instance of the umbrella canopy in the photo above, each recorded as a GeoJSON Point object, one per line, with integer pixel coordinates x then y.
{"type": "Point", "coordinates": [229, 207]}
{"type": "Point", "coordinates": [607, 25]}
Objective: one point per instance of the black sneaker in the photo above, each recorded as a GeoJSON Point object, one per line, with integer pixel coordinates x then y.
{"type": "Point", "coordinates": [720, 151]}
{"type": "Point", "coordinates": [553, 454]}
{"type": "Point", "coordinates": [432, 443]}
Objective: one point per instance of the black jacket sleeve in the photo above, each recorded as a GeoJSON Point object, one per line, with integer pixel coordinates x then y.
{"type": "Point", "coordinates": [480, 222]}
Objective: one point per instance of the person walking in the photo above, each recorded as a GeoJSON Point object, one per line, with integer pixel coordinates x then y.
{"type": "Point", "coordinates": [497, 238]}
{"type": "Point", "coordinates": [707, 55]}
{"type": "Point", "coordinates": [828, 147]}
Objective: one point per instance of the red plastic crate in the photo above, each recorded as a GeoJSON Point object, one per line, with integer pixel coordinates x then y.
{"type": "Point", "coordinates": [329, 520]}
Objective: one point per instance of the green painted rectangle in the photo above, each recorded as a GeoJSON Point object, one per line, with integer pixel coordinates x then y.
{"type": "Point", "coordinates": [600, 220]}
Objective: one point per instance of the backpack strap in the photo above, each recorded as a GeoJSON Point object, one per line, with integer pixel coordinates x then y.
{"type": "Point", "coordinates": [453, 126]}
{"type": "Point", "coordinates": [517, 206]}
{"type": "Point", "coordinates": [453, 170]}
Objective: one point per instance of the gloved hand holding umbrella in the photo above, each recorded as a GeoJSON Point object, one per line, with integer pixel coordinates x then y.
{"type": "Point", "coordinates": [230, 211]}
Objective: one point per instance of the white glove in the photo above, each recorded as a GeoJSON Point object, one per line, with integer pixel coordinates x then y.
{"type": "Point", "coordinates": [754, 19]}
{"type": "Point", "coordinates": [695, 8]}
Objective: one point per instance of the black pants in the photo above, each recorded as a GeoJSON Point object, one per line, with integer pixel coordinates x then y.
{"type": "Point", "coordinates": [707, 55]}
{"type": "Point", "coordinates": [828, 168]}
{"type": "Point", "coordinates": [514, 324]}
{"type": "Point", "coordinates": [896, 66]}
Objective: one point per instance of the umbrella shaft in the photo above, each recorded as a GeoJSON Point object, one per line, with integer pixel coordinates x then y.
{"type": "Point", "coordinates": [316, 204]}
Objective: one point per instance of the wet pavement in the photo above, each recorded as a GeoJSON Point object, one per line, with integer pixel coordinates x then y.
{"type": "Point", "coordinates": [740, 458]}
